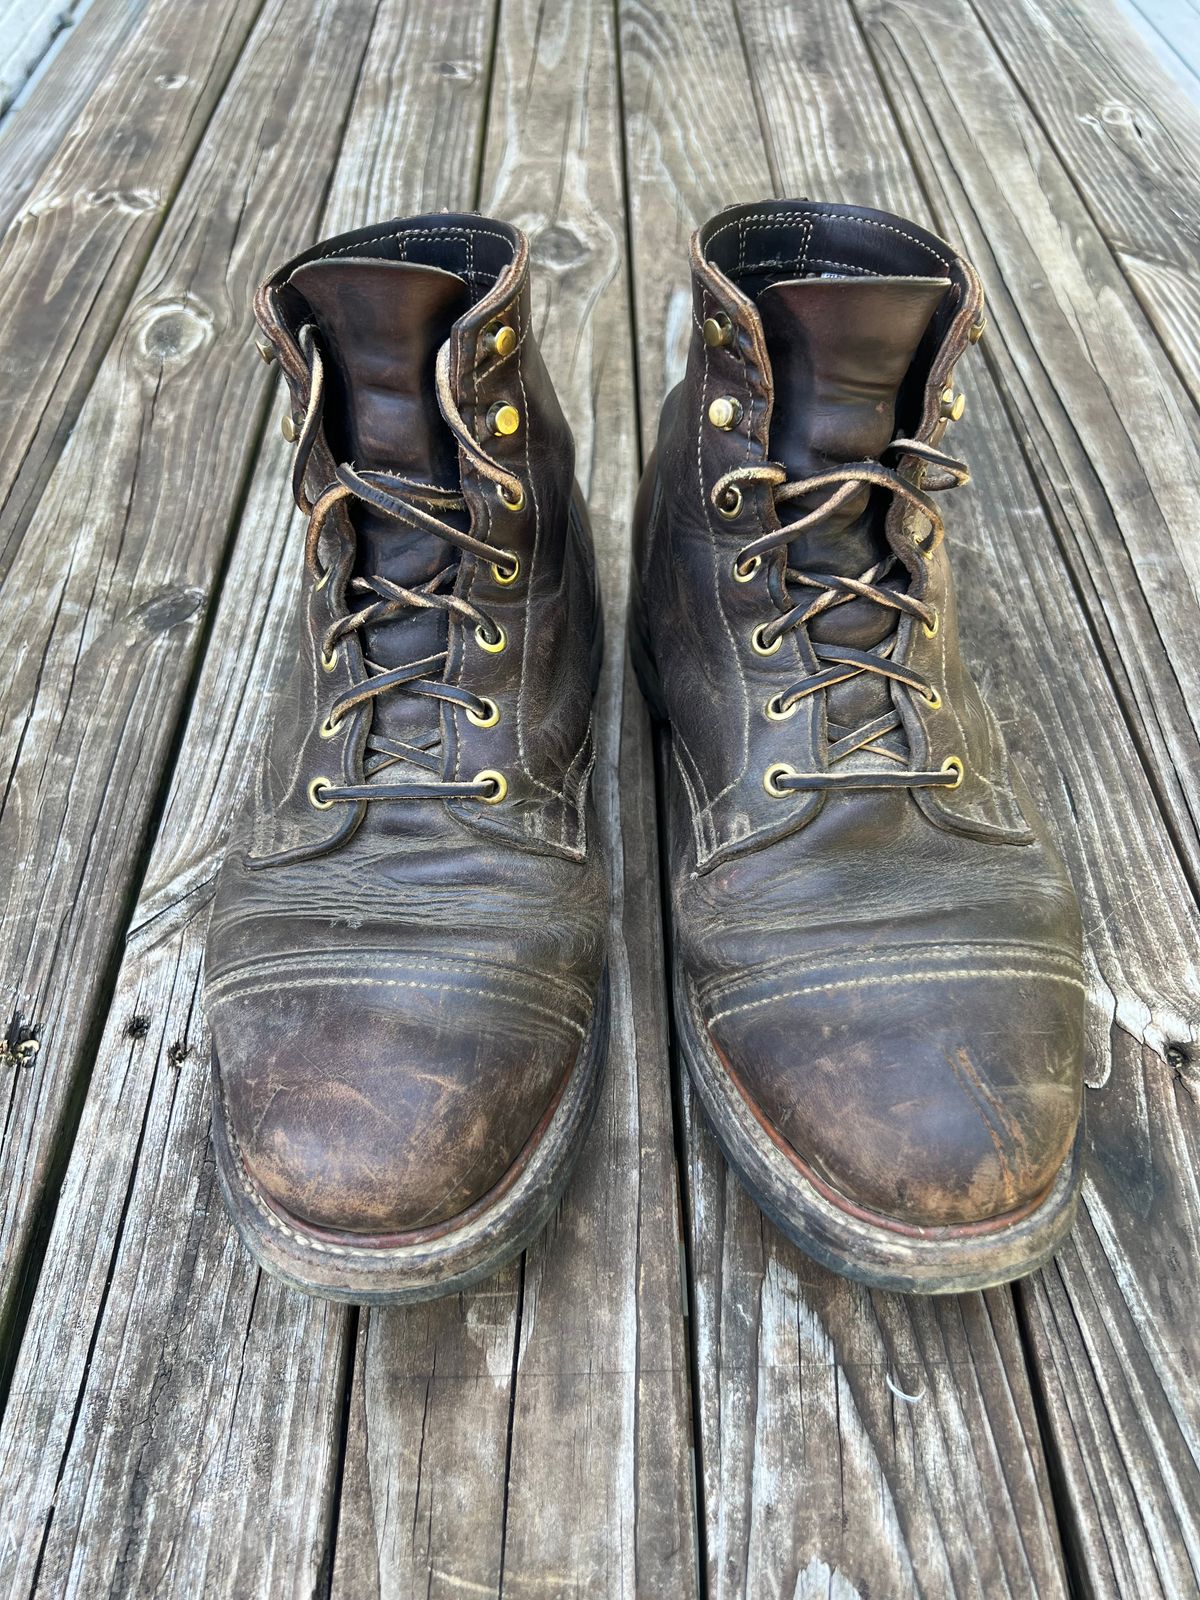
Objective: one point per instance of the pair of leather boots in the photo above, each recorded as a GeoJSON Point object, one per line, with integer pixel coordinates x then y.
{"type": "Point", "coordinates": [876, 948]}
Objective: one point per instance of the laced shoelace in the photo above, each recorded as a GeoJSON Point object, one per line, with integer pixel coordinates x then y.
{"type": "Point", "coordinates": [833, 663]}
{"type": "Point", "coordinates": [412, 505]}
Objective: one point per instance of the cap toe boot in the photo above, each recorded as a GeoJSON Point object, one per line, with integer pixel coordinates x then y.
{"type": "Point", "coordinates": [877, 948]}
{"type": "Point", "coordinates": [405, 968]}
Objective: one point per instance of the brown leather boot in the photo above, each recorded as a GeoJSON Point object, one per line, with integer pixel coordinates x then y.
{"type": "Point", "coordinates": [405, 970]}
{"type": "Point", "coordinates": [878, 979]}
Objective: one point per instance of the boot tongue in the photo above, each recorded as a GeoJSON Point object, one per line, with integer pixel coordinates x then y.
{"type": "Point", "coordinates": [381, 324]}
{"type": "Point", "coordinates": [840, 349]}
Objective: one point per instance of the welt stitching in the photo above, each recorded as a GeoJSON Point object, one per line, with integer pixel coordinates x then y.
{"type": "Point", "coordinates": [1011, 950]}
{"type": "Point", "coordinates": [434, 988]}
{"type": "Point", "coordinates": [881, 979]}
{"type": "Point", "coordinates": [334, 963]}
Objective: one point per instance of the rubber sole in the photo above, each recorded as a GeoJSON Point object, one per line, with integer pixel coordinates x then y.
{"type": "Point", "coordinates": [935, 1260]}
{"type": "Point", "coordinates": [435, 1261]}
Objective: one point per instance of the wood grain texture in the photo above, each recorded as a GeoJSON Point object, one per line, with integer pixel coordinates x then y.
{"type": "Point", "coordinates": [71, 255]}
{"type": "Point", "coordinates": [1172, 29]}
{"type": "Point", "coordinates": [819, 1475]}
{"type": "Point", "coordinates": [1058, 670]}
{"type": "Point", "coordinates": [547, 1415]}
{"type": "Point", "coordinates": [219, 1471]}
{"type": "Point", "coordinates": [27, 30]}
{"type": "Point", "coordinates": [103, 613]}
{"type": "Point", "coordinates": [1131, 144]}
{"type": "Point", "coordinates": [66, 78]}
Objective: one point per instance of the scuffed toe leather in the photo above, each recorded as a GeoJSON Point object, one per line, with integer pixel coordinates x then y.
{"type": "Point", "coordinates": [396, 1115]}
{"type": "Point", "coordinates": [881, 1084]}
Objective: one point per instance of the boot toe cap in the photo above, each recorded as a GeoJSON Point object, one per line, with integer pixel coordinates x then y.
{"type": "Point", "coordinates": [926, 1097]}
{"type": "Point", "coordinates": [386, 1103]}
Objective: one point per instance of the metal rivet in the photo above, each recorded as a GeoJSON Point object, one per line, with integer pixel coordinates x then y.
{"type": "Point", "coordinates": [488, 718]}
{"type": "Point", "coordinates": [953, 404]}
{"type": "Point", "coordinates": [500, 339]}
{"type": "Point", "coordinates": [504, 419]}
{"type": "Point", "coordinates": [499, 785]}
{"type": "Point", "coordinates": [976, 331]}
{"type": "Point", "coordinates": [953, 764]}
{"type": "Point", "coordinates": [718, 331]}
{"type": "Point", "coordinates": [288, 427]}
{"type": "Point", "coordinates": [725, 412]}
{"type": "Point", "coordinates": [266, 350]}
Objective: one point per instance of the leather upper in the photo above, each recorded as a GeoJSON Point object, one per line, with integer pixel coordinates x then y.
{"type": "Point", "coordinates": [397, 988]}
{"type": "Point", "coordinates": [892, 976]}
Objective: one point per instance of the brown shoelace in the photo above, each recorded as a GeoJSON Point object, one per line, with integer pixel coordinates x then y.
{"type": "Point", "coordinates": [411, 505]}
{"type": "Point", "coordinates": [835, 663]}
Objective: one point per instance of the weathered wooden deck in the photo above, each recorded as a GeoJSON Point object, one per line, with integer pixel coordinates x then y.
{"type": "Point", "coordinates": [663, 1398]}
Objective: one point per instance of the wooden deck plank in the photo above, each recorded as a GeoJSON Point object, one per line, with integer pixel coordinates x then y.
{"type": "Point", "coordinates": [71, 256]}
{"type": "Point", "coordinates": [1113, 434]}
{"type": "Point", "coordinates": [51, 101]}
{"type": "Point", "coordinates": [28, 28]}
{"type": "Point", "coordinates": [851, 1442]}
{"type": "Point", "coordinates": [1172, 27]}
{"type": "Point", "coordinates": [258, 1373]}
{"type": "Point", "coordinates": [570, 1379]}
{"type": "Point", "coordinates": [1131, 144]}
{"type": "Point", "coordinates": [103, 613]}
{"type": "Point", "coordinates": [1127, 1361]}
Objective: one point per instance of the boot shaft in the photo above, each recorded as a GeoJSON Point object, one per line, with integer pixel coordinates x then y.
{"type": "Point", "coordinates": [824, 336]}
{"type": "Point", "coordinates": [421, 403]}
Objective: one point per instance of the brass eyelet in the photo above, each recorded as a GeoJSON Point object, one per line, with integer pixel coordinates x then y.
{"type": "Point", "coordinates": [777, 713]}
{"type": "Point", "coordinates": [507, 577]}
{"type": "Point", "coordinates": [759, 647]}
{"type": "Point", "coordinates": [933, 699]}
{"type": "Point", "coordinates": [287, 426]}
{"type": "Point", "coordinates": [499, 786]}
{"type": "Point", "coordinates": [511, 503]}
{"type": "Point", "coordinates": [744, 571]}
{"type": "Point", "coordinates": [329, 729]}
{"type": "Point", "coordinates": [314, 786]}
{"type": "Point", "coordinates": [492, 646]}
{"type": "Point", "coordinates": [771, 777]}
{"type": "Point", "coordinates": [931, 628]}
{"type": "Point", "coordinates": [266, 350]}
{"type": "Point", "coordinates": [953, 764]}
{"type": "Point", "coordinates": [730, 504]}
{"type": "Point", "coordinates": [322, 580]}
{"type": "Point", "coordinates": [490, 717]}
{"type": "Point", "coordinates": [977, 330]}
{"type": "Point", "coordinates": [329, 659]}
